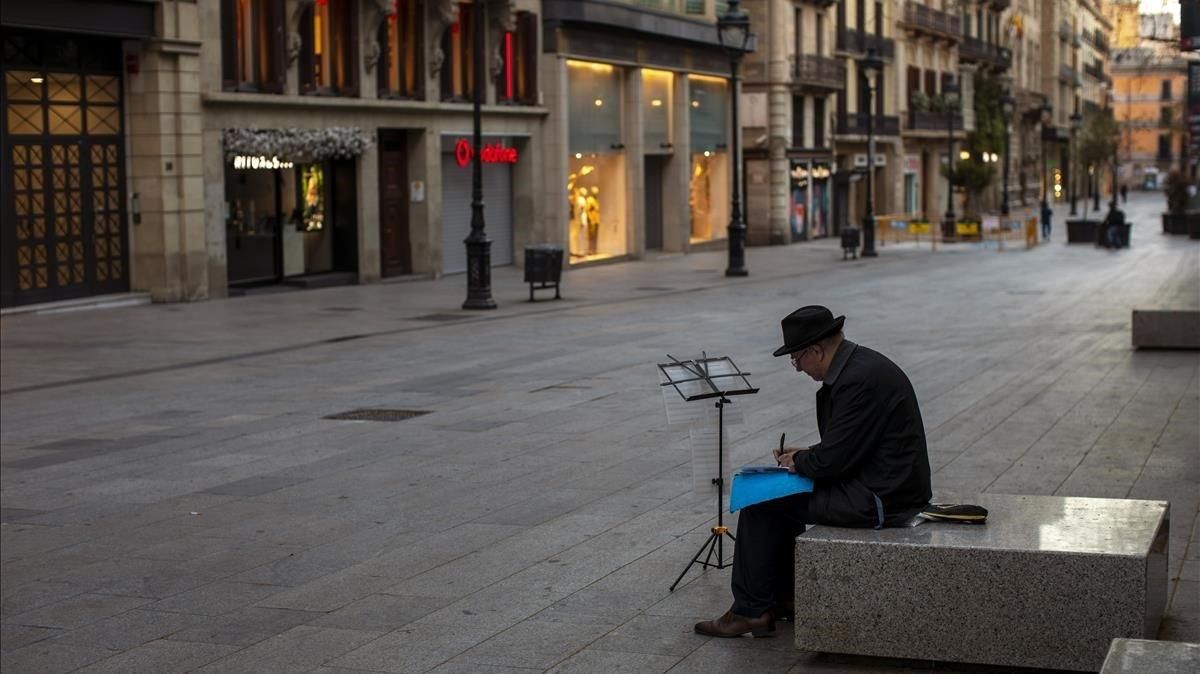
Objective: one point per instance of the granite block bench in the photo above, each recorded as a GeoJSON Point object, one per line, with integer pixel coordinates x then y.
{"type": "Point", "coordinates": [1166, 328]}
{"type": "Point", "coordinates": [1048, 582]}
{"type": "Point", "coordinates": [1143, 656]}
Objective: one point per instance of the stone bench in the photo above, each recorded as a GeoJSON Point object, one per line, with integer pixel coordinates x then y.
{"type": "Point", "coordinates": [1048, 582]}
{"type": "Point", "coordinates": [1142, 656]}
{"type": "Point", "coordinates": [1166, 328]}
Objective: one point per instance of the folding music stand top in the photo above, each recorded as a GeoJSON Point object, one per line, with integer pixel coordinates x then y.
{"type": "Point", "coordinates": [701, 379]}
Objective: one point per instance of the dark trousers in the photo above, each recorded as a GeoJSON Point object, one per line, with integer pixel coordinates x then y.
{"type": "Point", "coordinates": [764, 563]}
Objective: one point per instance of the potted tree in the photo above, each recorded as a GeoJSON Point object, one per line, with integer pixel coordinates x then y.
{"type": "Point", "coordinates": [1174, 221]}
{"type": "Point", "coordinates": [1097, 139]}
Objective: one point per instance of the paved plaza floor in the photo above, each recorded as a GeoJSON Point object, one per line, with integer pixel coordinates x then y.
{"type": "Point", "coordinates": [175, 498]}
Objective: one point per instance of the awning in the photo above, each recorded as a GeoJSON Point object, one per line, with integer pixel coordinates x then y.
{"type": "Point", "coordinates": [297, 145]}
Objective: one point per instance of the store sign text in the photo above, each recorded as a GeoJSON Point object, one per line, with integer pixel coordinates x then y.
{"type": "Point", "coordinates": [495, 153]}
{"type": "Point", "coordinates": [254, 163]}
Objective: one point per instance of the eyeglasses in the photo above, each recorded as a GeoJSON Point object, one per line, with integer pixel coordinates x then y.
{"type": "Point", "coordinates": [798, 356]}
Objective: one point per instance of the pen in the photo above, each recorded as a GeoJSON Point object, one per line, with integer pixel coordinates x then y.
{"type": "Point", "coordinates": [781, 437]}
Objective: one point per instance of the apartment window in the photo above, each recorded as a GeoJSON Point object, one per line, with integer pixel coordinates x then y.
{"type": "Point", "coordinates": [914, 81]}
{"type": "Point", "coordinates": [252, 57]}
{"type": "Point", "coordinates": [841, 16]}
{"type": "Point", "coordinates": [879, 18]}
{"type": "Point", "coordinates": [818, 118]}
{"type": "Point", "coordinates": [1166, 90]}
{"type": "Point", "coordinates": [517, 81]}
{"type": "Point", "coordinates": [797, 20]}
{"type": "Point", "coordinates": [1166, 117]}
{"type": "Point", "coordinates": [328, 63]}
{"type": "Point", "coordinates": [861, 15]}
{"type": "Point", "coordinates": [458, 73]}
{"type": "Point", "coordinates": [1164, 146]}
{"type": "Point", "coordinates": [930, 83]}
{"type": "Point", "coordinates": [820, 34]}
{"type": "Point", "coordinates": [400, 67]}
{"type": "Point", "coordinates": [798, 122]}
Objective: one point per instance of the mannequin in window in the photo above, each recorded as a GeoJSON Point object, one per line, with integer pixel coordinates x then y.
{"type": "Point", "coordinates": [593, 220]}
{"type": "Point", "coordinates": [581, 198]}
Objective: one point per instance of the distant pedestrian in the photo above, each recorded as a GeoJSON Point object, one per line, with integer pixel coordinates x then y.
{"type": "Point", "coordinates": [1124, 193]}
{"type": "Point", "coordinates": [1047, 214]}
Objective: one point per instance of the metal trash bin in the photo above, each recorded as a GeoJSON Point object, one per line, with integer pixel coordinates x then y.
{"type": "Point", "coordinates": [850, 242]}
{"type": "Point", "coordinates": [543, 267]}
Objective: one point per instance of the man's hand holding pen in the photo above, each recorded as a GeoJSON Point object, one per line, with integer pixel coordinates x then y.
{"type": "Point", "coordinates": [784, 455]}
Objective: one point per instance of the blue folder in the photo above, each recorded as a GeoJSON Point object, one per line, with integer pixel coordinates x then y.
{"type": "Point", "coordinates": [754, 484]}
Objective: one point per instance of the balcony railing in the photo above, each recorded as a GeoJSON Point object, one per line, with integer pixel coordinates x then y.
{"type": "Point", "coordinates": [927, 19]}
{"type": "Point", "coordinates": [976, 50]}
{"type": "Point", "coordinates": [854, 124]}
{"type": "Point", "coordinates": [919, 120]}
{"type": "Point", "coordinates": [819, 71]}
{"type": "Point", "coordinates": [855, 41]}
{"type": "Point", "coordinates": [1064, 30]}
{"type": "Point", "coordinates": [1066, 74]}
{"type": "Point", "coordinates": [1094, 70]}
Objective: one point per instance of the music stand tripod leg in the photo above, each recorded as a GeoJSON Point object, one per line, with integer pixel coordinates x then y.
{"type": "Point", "coordinates": [708, 545]}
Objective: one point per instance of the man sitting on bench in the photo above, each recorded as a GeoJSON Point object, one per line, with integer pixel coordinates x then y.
{"type": "Point", "coordinates": [871, 468]}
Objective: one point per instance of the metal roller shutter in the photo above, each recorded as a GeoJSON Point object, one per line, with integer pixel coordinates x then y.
{"type": "Point", "coordinates": [456, 213]}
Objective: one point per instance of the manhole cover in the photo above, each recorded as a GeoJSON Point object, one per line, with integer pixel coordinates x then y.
{"type": "Point", "coordinates": [440, 317]}
{"type": "Point", "coordinates": [376, 415]}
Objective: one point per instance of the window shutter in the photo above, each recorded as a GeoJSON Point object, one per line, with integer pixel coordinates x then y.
{"type": "Point", "coordinates": [352, 53]}
{"type": "Point", "coordinates": [228, 46]}
{"type": "Point", "coordinates": [306, 52]}
{"type": "Point", "coordinates": [277, 49]}
{"type": "Point", "coordinates": [447, 72]}
{"type": "Point", "coordinates": [528, 29]}
{"type": "Point", "coordinates": [383, 67]}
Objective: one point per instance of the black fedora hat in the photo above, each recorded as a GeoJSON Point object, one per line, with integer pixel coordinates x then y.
{"type": "Point", "coordinates": [807, 326]}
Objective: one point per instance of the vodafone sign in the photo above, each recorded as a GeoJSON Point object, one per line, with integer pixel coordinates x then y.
{"type": "Point", "coordinates": [492, 153]}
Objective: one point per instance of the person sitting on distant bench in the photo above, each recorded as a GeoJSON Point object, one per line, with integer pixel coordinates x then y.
{"type": "Point", "coordinates": [1110, 229]}
{"type": "Point", "coordinates": [870, 469]}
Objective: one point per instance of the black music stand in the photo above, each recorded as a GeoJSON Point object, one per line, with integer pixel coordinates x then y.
{"type": "Point", "coordinates": [701, 379]}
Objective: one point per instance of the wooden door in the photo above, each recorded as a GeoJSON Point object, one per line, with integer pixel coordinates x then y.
{"type": "Point", "coordinates": [395, 250]}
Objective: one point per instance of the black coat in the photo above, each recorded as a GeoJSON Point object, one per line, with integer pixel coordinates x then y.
{"type": "Point", "coordinates": [872, 451]}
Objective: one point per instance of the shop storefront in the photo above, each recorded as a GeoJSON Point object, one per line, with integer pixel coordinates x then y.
{"type": "Point", "coordinates": [709, 185]}
{"type": "Point", "coordinates": [912, 185]}
{"type": "Point", "coordinates": [500, 156]}
{"type": "Point", "coordinates": [286, 220]}
{"type": "Point", "coordinates": [809, 199]}
{"type": "Point", "coordinates": [291, 215]}
{"type": "Point", "coordinates": [596, 178]}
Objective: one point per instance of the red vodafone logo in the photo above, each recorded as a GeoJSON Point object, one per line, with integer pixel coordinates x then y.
{"type": "Point", "coordinates": [494, 153]}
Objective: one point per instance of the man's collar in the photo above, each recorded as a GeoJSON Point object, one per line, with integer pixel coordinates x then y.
{"type": "Point", "coordinates": [839, 361]}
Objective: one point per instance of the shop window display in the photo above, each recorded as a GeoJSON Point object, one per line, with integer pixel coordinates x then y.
{"type": "Point", "coordinates": [596, 206]}
{"type": "Point", "coordinates": [709, 196]}
{"type": "Point", "coordinates": [596, 169]}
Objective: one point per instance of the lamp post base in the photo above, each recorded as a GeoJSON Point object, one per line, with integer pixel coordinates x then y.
{"type": "Point", "coordinates": [737, 248]}
{"type": "Point", "coordinates": [479, 274]}
{"type": "Point", "coordinates": [868, 230]}
{"type": "Point", "coordinates": [949, 233]}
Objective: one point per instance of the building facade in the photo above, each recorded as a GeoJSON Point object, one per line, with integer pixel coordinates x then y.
{"type": "Point", "coordinates": [638, 148]}
{"type": "Point", "coordinates": [339, 137]}
{"type": "Point", "coordinates": [101, 151]}
{"type": "Point", "coordinates": [1148, 96]}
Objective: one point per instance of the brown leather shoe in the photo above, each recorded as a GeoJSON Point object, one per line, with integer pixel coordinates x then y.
{"type": "Point", "coordinates": [734, 625]}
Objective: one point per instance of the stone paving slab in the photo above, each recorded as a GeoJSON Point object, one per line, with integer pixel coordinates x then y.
{"type": "Point", "coordinates": [178, 456]}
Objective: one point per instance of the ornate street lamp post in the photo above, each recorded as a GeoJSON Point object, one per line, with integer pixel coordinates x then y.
{"type": "Point", "coordinates": [1076, 124]}
{"type": "Point", "coordinates": [479, 246]}
{"type": "Point", "coordinates": [733, 32]}
{"type": "Point", "coordinates": [1007, 106]}
{"type": "Point", "coordinates": [949, 89]}
{"type": "Point", "coordinates": [869, 68]}
{"type": "Point", "coordinates": [1047, 115]}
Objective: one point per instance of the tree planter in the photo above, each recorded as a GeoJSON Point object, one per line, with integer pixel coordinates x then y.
{"type": "Point", "coordinates": [1193, 224]}
{"type": "Point", "coordinates": [1175, 223]}
{"type": "Point", "coordinates": [1082, 231]}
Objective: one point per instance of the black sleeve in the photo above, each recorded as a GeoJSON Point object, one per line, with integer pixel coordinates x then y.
{"type": "Point", "coordinates": [851, 434]}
